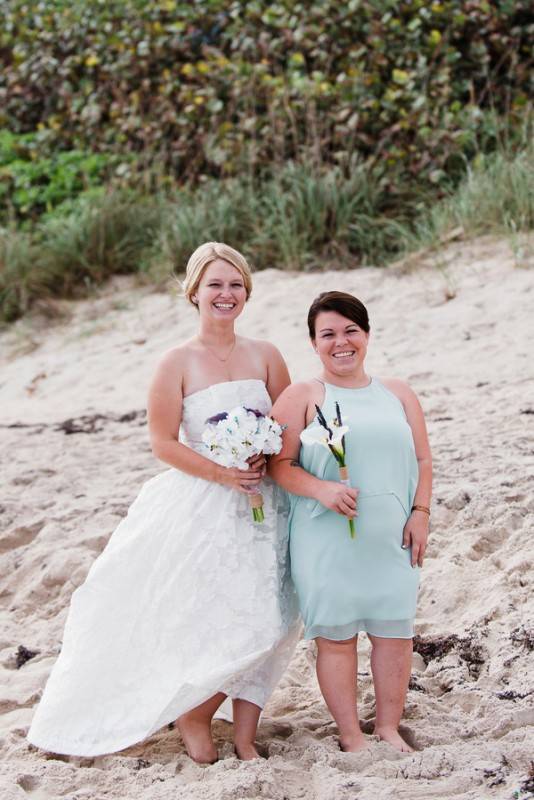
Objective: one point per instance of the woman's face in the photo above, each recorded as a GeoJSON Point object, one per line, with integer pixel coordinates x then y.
{"type": "Point", "coordinates": [340, 343]}
{"type": "Point", "coordinates": [221, 293]}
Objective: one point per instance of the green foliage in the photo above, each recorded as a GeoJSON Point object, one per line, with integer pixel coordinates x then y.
{"type": "Point", "coordinates": [67, 255]}
{"type": "Point", "coordinates": [31, 184]}
{"type": "Point", "coordinates": [98, 239]}
{"type": "Point", "coordinates": [306, 134]}
{"type": "Point", "coordinates": [497, 195]}
{"type": "Point", "coordinates": [20, 282]}
{"type": "Point", "coordinates": [221, 87]}
{"type": "Point", "coordinates": [300, 219]}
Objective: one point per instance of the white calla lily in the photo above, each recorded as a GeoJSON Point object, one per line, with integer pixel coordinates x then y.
{"type": "Point", "coordinates": [331, 435]}
{"type": "Point", "coordinates": [319, 435]}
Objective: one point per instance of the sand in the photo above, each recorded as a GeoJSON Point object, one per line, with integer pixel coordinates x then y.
{"type": "Point", "coordinates": [75, 454]}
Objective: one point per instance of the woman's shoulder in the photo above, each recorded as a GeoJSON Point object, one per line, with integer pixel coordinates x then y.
{"type": "Point", "coordinates": [263, 346]}
{"type": "Point", "coordinates": [304, 391]}
{"type": "Point", "coordinates": [176, 358]}
{"type": "Point", "coordinates": [398, 387]}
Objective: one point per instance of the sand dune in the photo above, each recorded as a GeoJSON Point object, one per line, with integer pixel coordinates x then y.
{"type": "Point", "coordinates": [76, 453]}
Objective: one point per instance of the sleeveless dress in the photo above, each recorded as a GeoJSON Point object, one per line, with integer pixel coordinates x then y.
{"type": "Point", "coordinates": [189, 598]}
{"type": "Point", "coordinates": [367, 583]}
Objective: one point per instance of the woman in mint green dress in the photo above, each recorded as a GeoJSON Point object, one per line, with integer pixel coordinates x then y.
{"type": "Point", "coordinates": [367, 582]}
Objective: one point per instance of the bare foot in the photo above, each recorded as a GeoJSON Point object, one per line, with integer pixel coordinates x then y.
{"type": "Point", "coordinates": [246, 751]}
{"type": "Point", "coordinates": [196, 734]}
{"type": "Point", "coordinates": [393, 737]}
{"type": "Point", "coordinates": [353, 744]}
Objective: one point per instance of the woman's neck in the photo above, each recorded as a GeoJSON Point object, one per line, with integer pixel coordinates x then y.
{"type": "Point", "coordinates": [214, 333]}
{"type": "Point", "coordinates": [356, 380]}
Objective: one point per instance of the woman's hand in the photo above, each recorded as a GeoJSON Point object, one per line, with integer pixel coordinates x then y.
{"type": "Point", "coordinates": [246, 481]}
{"type": "Point", "coordinates": [258, 463]}
{"type": "Point", "coordinates": [415, 535]}
{"type": "Point", "coordinates": [339, 498]}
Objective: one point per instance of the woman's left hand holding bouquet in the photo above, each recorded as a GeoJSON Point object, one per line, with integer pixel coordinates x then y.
{"type": "Point", "coordinates": [246, 481]}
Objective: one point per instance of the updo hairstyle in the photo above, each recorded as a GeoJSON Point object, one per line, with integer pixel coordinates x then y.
{"type": "Point", "coordinates": [343, 303]}
{"type": "Point", "coordinates": [203, 256]}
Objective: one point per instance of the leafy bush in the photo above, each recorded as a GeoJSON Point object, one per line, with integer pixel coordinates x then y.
{"type": "Point", "coordinates": [221, 87]}
{"type": "Point", "coordinates": [31, 184]}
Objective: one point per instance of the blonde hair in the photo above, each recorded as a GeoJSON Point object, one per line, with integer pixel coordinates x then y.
{"type": "Point", "coordinates": [203, 256]}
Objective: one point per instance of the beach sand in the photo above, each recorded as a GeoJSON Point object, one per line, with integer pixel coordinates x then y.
{"type": "Point", "coordinates": [75, 454]}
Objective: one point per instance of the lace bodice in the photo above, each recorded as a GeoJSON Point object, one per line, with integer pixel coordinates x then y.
{"type": "Point", "coordinates": [198, 406]}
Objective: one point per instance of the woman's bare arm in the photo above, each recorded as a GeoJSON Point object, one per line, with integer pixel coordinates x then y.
{"type": "Point", "coordinates": [416, 421]}
{"type": "Point", "coordinates": [277, 373]}
{"type": "Point", "coordinates": [416, 529]}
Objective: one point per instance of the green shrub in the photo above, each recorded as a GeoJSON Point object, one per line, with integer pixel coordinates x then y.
{"type": "Point", "coordinates": [495, 197]}
{"type": "Point", "coordinates": [220, 87]}
{"type": "Point", "coordinates": [20, 279]}
{"type": "Point", "coordinates": [31, 184]}
{"type": "Point", "coordinates": [98, 239]}
{"type": "Point", "coordinates": [301, 219]}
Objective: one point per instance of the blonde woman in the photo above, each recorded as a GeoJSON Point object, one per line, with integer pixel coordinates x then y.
{"type": "Point", "coordinates": [190, 602]}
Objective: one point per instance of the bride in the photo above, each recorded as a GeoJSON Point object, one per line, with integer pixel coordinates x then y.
{"type": "Point", "coordinates": [190, 602]}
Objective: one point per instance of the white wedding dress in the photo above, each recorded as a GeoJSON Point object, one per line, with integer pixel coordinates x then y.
{"type": "Point", "coordinates": [189, 598]}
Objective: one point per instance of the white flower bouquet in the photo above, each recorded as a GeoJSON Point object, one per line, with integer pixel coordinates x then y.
{"type": "Point", "coordinates": [232, 437]}
{"type": "Point", "coordinates": [332, 436]}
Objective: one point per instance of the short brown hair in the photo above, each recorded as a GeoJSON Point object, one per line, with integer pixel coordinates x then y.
{"type": "Point", "coordinates": [343, 303]}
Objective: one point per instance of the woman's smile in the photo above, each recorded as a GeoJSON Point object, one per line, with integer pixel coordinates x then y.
{"type": "Point", "coordinates": [220, 306]}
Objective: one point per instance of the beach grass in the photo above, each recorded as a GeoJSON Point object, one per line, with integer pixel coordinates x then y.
{"type": "Point", "coordinates": [301, 218]}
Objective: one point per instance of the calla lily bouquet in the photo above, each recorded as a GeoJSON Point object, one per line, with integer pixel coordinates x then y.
{"type": "Point", "coordinates": [332, 436]}
{"type": "Point", "coordinates": [232, 437]}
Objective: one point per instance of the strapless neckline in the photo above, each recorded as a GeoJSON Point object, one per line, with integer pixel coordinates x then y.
{"type": "Point", "coordinates": [224, 383]}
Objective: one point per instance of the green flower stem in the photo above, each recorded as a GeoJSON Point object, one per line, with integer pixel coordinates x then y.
{"type": "Point", "coordinates": [352, 529]}
{"type": "Point", "coordinates": [258, 515]}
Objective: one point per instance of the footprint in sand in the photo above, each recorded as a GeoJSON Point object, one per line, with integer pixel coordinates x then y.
{"type": "Point", "coordinates": [490, 539]}
{"type": "Point", "coordinates": [27, 478]}
{"type": "Point", "coordinates": [29, 783]}
{"type": "Point", "coordinates": [20, 536]}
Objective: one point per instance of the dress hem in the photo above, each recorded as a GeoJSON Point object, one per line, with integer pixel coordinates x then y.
{"type": "Point", "coordinates": [386, 629]}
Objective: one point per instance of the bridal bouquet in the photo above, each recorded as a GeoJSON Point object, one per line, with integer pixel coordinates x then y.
{"type": "Point", "coordinates": [232, 437]}
{"type": "Point", "coordinates": [332, 436]}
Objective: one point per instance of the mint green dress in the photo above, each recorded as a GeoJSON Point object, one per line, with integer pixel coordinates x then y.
{"type": "Point", "coordinates": [367, 583]}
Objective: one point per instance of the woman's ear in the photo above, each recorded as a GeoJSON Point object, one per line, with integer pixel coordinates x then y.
{"type": "Point", "coordinates": [313, 344]}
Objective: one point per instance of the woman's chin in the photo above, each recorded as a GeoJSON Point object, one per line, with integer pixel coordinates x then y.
{"type": "Point", "coordinates": [220, 315]}
{"type": "Point", "coordinates": [343, 366]}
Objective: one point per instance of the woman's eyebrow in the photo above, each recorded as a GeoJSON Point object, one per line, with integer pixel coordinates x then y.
{"type": "Point", "coordinates": [331, 330]}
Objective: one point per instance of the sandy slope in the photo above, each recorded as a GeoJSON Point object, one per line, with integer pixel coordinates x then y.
{"type": "Point", "coordinates": [470, 710]}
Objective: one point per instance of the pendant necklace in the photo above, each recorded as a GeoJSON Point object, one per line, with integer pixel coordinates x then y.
{"type": "Point", "coordinates": [222, 360]}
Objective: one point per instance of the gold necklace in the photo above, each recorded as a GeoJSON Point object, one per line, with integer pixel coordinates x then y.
{"type": "Point", "coordinates": [222, 360]}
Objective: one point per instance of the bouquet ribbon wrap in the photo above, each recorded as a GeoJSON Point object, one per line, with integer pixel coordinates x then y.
{"type": "Point", "coordinates": [255, 501]}
{"type": "Point", "coordinates": [344, 479]}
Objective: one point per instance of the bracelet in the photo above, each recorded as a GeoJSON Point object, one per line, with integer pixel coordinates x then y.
{"type": "Point", "coordinates": [421, 508]}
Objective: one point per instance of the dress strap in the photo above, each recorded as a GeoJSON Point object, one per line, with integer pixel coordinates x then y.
{"type": "Point", "coordinates": [326, 389]}
{"type": "Point", "coordinates": [322, 404]}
